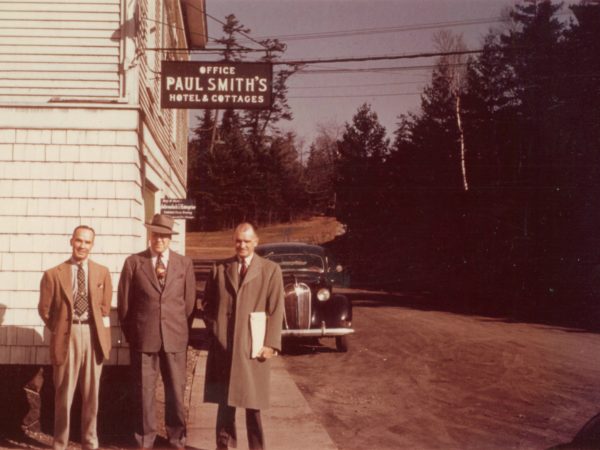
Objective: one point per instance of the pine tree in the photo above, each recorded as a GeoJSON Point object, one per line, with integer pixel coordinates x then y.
{"type": "Point", "coordinates": [242, 167]}
{"type": "Point", "coordinates": [199, 170]}
{"type": "Point", "coordinates": [361, 186]}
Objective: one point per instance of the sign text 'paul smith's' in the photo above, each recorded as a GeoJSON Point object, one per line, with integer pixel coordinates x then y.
{"type": "Point", "coordinates": [207, 85]}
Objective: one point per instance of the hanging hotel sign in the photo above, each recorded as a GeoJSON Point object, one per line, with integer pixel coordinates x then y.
{"type": "Point", "coordinates": [212, 85]}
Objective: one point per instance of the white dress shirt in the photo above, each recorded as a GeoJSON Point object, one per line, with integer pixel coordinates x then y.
{"type": "Point", "coordinates": [164, 257]}
{"type": "Point", "coordinates": [248, 261]}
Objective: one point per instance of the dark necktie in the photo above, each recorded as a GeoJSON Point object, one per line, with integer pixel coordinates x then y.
{"type": "Point", "coordinates": [81, 302]}
{"type": "Point", "coordinates": [161, 271]}
{"type": "Point", "coordinates": [243, 270]}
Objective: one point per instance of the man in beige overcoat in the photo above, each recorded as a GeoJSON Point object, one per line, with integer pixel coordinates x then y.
{"type": "Point", "coordinates": [74, 304]}
{"type": "Point", "coordinates": [238, 286]}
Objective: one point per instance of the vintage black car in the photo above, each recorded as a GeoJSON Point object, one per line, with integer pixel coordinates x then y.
{"type": "Point", "coordinates": [311, 307]}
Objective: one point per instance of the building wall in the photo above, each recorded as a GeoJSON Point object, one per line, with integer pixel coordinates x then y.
{"type": "Point", "coordinates": [169, 126]}
{"type": "Point", "coordinates": [80, 142]}
{"type": "Point", "coordinates": [59, 50]}
{"type": "Point", "coordinates": [53, 179]}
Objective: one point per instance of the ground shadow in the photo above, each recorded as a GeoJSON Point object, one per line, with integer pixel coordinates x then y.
{"type": "Point", "coordinates": [114, 413]}
{"type": "Point", "coordinates": [116, 407]}
{"type": "Point", "coordinates": [307, 346]}
{"type": "Point", "coordinates": [199, 339]}
{"type": "Point", "coordinates": [21, 383]}
{"type": "Point", "coordinates": [588, 438]}
{"type": "Point", "coordinates": [571, 315]}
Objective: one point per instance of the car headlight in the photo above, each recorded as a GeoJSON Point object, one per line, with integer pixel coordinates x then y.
{"type": "Point", "coordinates": [323, 294]}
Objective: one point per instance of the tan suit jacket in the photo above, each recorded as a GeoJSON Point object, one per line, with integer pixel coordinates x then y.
{"type": "Point", "coordinates": [56, 307]}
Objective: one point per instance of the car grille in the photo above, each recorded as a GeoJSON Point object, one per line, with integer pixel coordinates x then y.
{"type": "Point", "coordinates": [297, 306]}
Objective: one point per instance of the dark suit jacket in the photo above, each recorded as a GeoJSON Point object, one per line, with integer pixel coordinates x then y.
{"type": "Point", "coordinates": [56, 306]}
{"type": "Point", "coordinates": [151, 318]}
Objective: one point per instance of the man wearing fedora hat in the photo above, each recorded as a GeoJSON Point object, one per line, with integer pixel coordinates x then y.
{"type": "Point", "coordinates": [156, 297]}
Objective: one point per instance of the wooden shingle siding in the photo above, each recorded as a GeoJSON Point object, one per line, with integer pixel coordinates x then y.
{"type": "Point", "coordinates": [59, 50]}
{"type": "Point", "coordinates": [82, 136]}
{"type": "Point", "coordinates": [155, 34]}
{"type": "Point", "coordinates": [60, 167]}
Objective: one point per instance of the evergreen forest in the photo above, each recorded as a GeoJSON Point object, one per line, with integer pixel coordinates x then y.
{"type": "Point", "coordinates": [491, 189]}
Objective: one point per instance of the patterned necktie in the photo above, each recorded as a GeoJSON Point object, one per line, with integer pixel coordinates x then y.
{"type": "Point", "coordinates": [161, 271]}
{"type": "Point", "coordinates": [81, 302]}
{"type": "Point", "coordinates": [243, 270]}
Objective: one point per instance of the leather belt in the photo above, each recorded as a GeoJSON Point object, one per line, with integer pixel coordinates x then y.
{"type": "Point", "coordinates": [81, 322]}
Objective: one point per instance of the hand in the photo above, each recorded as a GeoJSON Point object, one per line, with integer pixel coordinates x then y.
{"type": "Point", "coordinates": [266, 353]}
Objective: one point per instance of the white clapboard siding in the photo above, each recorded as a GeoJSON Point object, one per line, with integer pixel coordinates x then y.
{"type": "Point", "coordinates": [72, 92]}
{"type": "Point", "coordinates": [54, 16]}
{"type": "Point", "coordinates": [18, 50]}
{"type": "Point", "coordinates": [45, 2]}
{"type": "Point", "coordinates": [68, 7]}
{"type": "Point", "coordinates": [55, 25]}
{"type": "Point", "coordinates": [30, 71]}
{"type": "Point", "coordinates": [59, 49]}
{"type": "Point", "coordinates": [55, 33]}
{"type": "Point", "coordinates": [69, 42]}
{"type": "Point", "coordinates": [74, 84]}
{"type": "Point", "coordinates": [56, 60]}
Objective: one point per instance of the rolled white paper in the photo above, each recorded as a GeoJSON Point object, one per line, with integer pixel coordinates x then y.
{"type": "Point", "coordinates": [258, 328]}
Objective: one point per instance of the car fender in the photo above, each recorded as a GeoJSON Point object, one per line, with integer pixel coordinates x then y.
{"type": "Point", "coordinates": [339, 310]}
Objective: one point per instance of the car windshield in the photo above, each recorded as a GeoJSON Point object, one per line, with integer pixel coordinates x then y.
{"type": "Point", "coordinates": [311, 263]}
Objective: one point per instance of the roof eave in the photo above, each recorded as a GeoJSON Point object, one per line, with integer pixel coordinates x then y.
{"type": "Point", "coordinates": [194, 15]}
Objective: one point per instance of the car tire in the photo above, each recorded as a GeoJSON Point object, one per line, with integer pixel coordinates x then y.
{"type": "Point", "coordinates": [341, 344]}
{"type": "Point", "coordinates": [286, 346]}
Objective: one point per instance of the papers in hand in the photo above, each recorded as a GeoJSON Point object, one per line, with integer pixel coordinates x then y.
{"type": "Point", "coordinates": [258, 327]}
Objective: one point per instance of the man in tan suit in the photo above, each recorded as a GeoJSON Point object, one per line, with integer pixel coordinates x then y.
{"type": "Point", "coordinates": [74, 304]}
{"type": "Point", "coordinates": [240, 285]}
{"type": "Point", "coordinates": [156, 297]}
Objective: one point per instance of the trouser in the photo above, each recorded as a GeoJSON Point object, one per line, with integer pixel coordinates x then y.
{"type": "Point", "coordinates": [83, 366]}
{"type": "Point", "coordinates": [145, 367]}
{"type": "Point", "coordinates": [227, 434]}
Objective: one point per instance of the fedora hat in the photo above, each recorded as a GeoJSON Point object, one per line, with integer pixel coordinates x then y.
{"type": "Point", "coordinates": [161, 223]}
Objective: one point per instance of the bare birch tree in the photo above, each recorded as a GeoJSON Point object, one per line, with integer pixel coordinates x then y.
{"type": "Point", "coordinates": [448, 42]}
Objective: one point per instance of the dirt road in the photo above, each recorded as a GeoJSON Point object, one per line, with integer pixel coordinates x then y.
{"type": "Point", "coordinates": [417, 379]}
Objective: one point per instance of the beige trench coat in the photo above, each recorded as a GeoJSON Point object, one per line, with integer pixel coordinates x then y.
{"type": "Point", "coordinates": [231, 375]}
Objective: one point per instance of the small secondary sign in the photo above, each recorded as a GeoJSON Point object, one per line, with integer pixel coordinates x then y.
{"type": "Point", "coordinates": [211, 85]}
{"type": "Point", "coordinates": [178, 208]}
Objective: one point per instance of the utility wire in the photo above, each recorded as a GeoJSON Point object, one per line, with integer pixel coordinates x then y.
{"type": "Point", "coordinates": [377, 58]}
{"type": "Point", "coordinates": [331, 86]}
{"type": "Point", "coordinates": [344, 33]}
{"type": "Point", "coordinates": [372, 69]}
{"type": "Point", "coordinates": [247, 36]}
{"type": "Point", "coordinates": [380, 30]}
{"type": "Point", "coordinates": [395, 29]}
{"type": "Point", "coordinates": [355, 96]}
